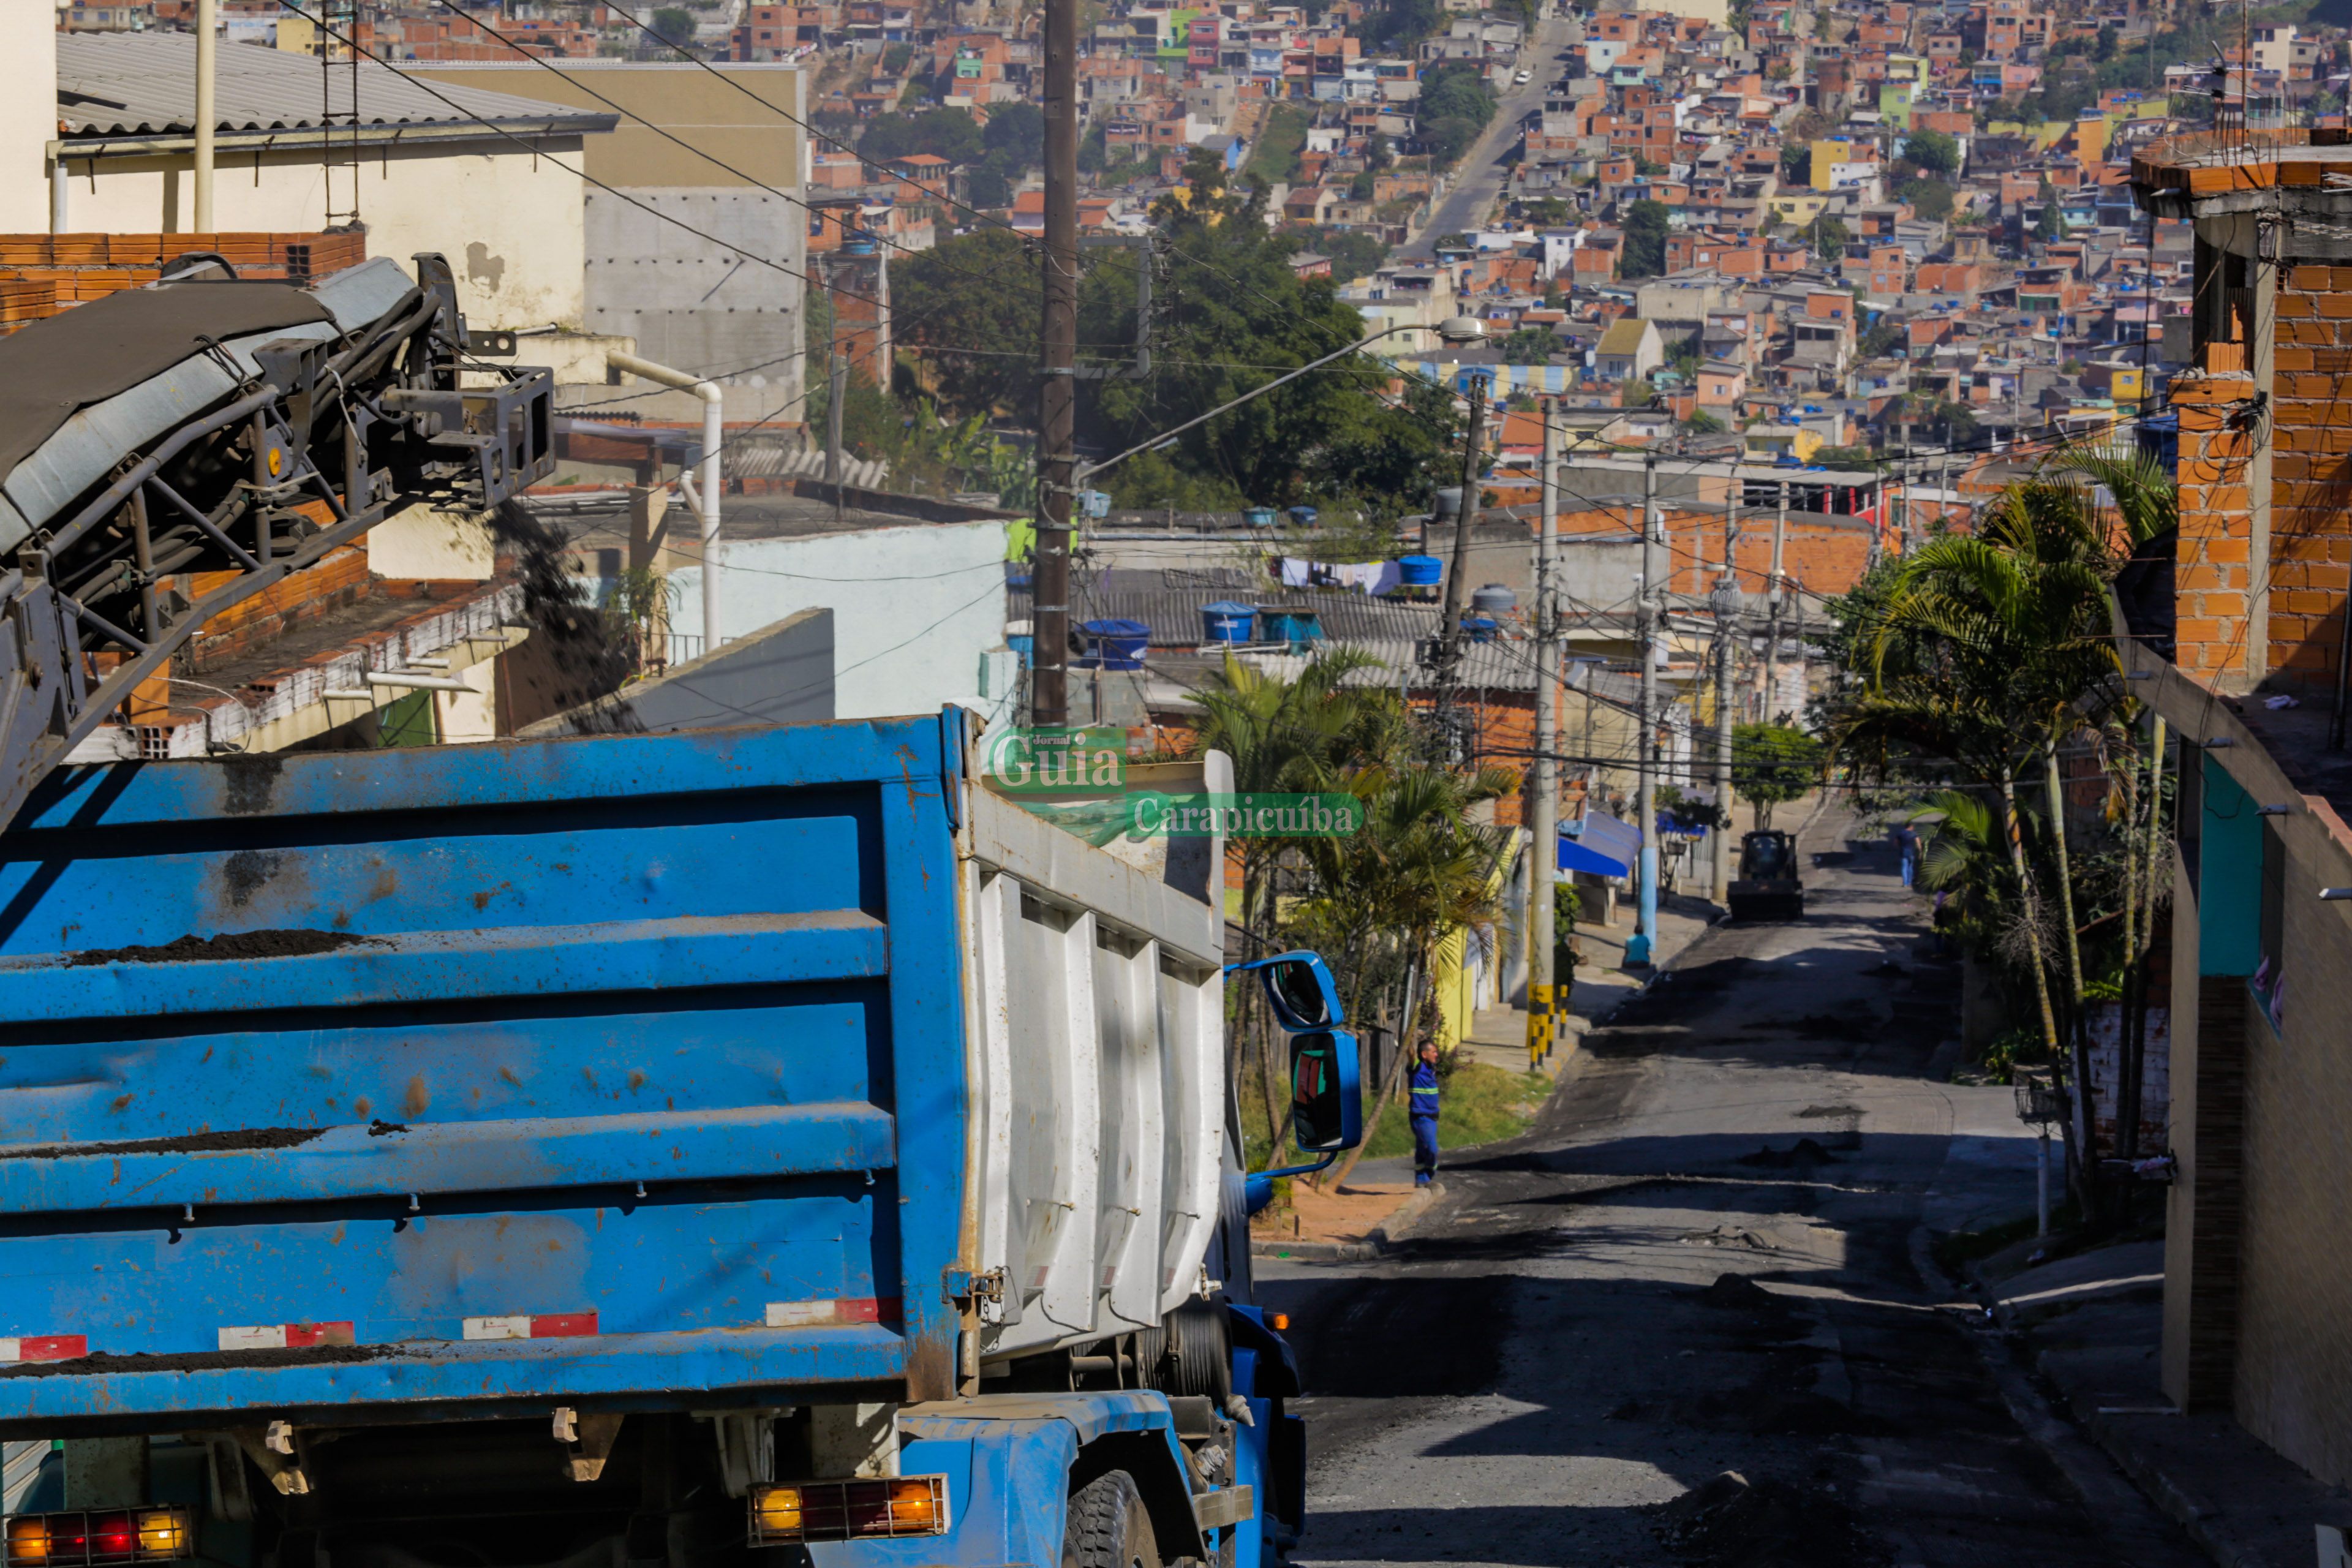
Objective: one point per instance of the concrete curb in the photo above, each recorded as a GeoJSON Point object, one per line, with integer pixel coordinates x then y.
{"type": "Point", "coordinates": [2209, 1529]}
{"type": "Point", "coordinates": [2108, 1493]}
{"type": "Point", "coordinates": [1382, 1239]}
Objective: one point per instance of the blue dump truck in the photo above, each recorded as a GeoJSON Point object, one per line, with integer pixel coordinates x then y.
{"type": "Point", "coordinates": [752, 1146]}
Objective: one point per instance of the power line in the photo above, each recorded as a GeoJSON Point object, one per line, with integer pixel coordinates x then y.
{"type": "Point", "coordinates": [583, 173]}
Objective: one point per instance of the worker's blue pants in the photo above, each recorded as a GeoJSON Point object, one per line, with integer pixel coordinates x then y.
{"type": "Point", "coordinates": [1425, 1149]}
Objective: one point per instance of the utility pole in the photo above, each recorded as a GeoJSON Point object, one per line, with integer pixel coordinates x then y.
{"type": "Point", "coordinates": [1049, 701]}
{"type": "Point", "coordinates": [1449, 630]}
{"type": "Point", "coordinates": [1772, 606]}
{"type": "Point", "coordinates": [836, 387]}
{"type": "Point", "coordinates": [1727, 628]}
{"type": "Point", "coordinates": [206, 43]}
{"type": "Point", "coordinates": [1647, 610]}
{"type": "Point", "coordinates": [1545, 853]}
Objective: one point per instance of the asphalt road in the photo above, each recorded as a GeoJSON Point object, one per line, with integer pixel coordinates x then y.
{"type": "Point", "coordinates": [1704, 1259]}
{"type": "Point", "coordinates": [1485, 167]}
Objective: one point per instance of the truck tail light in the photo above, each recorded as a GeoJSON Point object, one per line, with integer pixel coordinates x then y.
{"type": "Point", "coordinates": [848, 1511]}
{"type": "Point", "coordinates": [99, 1540]}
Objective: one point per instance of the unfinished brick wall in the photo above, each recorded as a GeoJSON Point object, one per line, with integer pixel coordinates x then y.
{"type": "Point", "coordinates": [2311, 473]}
{"type": "Point", "coordinates": [2211, 579]}
{"type": "Point", "coordinates": [1824, 558]}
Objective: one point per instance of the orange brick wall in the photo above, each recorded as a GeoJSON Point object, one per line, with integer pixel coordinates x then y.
{"type": "Point", "coordinates": [1824, 559]}
{"type": "Point", "coordinates": [2311, 472]}
{"type": "Point", "coordinates": [2210, 581]}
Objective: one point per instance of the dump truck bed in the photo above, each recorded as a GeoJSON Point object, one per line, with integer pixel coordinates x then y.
{"type": "Point", "coordinates": [638, 1069]}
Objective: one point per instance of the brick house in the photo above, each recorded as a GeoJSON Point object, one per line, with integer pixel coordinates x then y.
{"type": "Point", "coordinates": [2249, 601]}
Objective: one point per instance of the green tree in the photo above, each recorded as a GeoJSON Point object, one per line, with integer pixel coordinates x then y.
{"type": "Point", "coordinates": [674, 23]}
{"type": "Point", "coordinates": [1772, 764]}
{"type": "Point", "coordinates": [1831, 237]}
{"type": "Point", "coordinates": [1531, 345]}
{"type": "Point", "coordinates": [1937, 151]}
{"type": "Point", "coordinates": [1378, 153]}
{"type": "Point", "coordinates": [1646, 223]}
{"type": "Point", "coordinates": [1361, 188]}
{"type": "Point", "coordinates": [1018, 129]}
{"type": "Point", "coordinates": [1454, 108]}
{"type": "Point", "coordinates": [978, 292]}
{"type": "Point", "coordinates": [1702, 423]}
{"type": "Point", "coordinates": [1931, 199]}
{"type": "Point", "coordinates": [942, 132]}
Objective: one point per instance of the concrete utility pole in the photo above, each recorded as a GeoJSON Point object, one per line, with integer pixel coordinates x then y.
{"type": "Point", "coordinates": [1648, 612]}
{"type": "Point", "coordinates": [1049, 695]}
{"type": "Point", "coordinates": [836, 384]}
{"type": "Point", "coordinates": [1772, 608]}
{"type": "Point", "coordinates": [1449, 630]}
{"type": "Point", "coordinates": [1726, 630]}
{"type": "Point", "coordinates": [207, 24]}
{"type": "Point", "coordinates": [1545, 867]}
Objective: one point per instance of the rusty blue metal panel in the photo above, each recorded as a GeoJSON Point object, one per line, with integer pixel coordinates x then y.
{"type": "Point", "coordinates": [660, 1034]}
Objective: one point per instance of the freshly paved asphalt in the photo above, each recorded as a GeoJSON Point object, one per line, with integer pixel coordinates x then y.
{"type": "Point", "coordinates": [1488, 164]}
{"type": "Point", "coordinates": [1556, 1351]}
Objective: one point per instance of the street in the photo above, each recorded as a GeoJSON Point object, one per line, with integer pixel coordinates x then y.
{"type": "Point", "coordinates": [1485, 167]}
{"type": "Point", "coordinates": [1702, 1259]}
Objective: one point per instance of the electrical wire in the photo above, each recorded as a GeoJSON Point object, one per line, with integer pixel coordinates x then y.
{"type": "Point", "coordinates": [579, 80]}
{"type": "Point", "coordinates": [586, 177]}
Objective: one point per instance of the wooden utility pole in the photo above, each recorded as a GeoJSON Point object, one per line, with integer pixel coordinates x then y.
{"type": "Point", "coordinates": [1049, 695]}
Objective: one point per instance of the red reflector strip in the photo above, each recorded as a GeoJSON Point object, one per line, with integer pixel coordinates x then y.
{"type": "Point", "coordinates": [44, 1347]}
{"type": "Point", "coordinates": [286, 1336]}
{"type": "Point", "coordinates": [523, 1326]}
{"type": "Point", "coordinates": [826, 1313]}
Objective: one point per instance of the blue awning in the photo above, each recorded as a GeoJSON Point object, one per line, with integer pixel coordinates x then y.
{"type": "Point", "coordinates": [1575, 857]}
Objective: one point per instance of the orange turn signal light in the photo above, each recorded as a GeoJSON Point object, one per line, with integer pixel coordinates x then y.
{"type": "Point", "coordinates": [1280, 1320]}
{"type": "Point", "coordinates": [848, 1511]}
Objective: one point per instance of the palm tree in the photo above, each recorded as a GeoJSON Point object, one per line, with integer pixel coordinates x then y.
{"type": "Point", "coordinates": [1283, 735]}
{"type": "Point", "coordinates": [1992, 651]}
{"type": "Point", "coordinates": [1417, 871]}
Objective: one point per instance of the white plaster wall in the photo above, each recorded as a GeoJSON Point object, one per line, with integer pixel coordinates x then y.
{"type": "Point", "coordinates": [28, 117]}
{"type": "Point", "coordinates": [510, 222]}
{"type": "Point", "coordinates": [916, 609]}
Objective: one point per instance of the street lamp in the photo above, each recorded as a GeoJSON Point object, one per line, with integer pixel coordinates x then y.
{"type": "Point", "coordinates": [1455, 331]}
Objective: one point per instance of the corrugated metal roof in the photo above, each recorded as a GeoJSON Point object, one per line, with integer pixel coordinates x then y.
{"type": "Point", "coordinates": [1173, 612]}
{"type": "Point", "coordinates": [144, 84]}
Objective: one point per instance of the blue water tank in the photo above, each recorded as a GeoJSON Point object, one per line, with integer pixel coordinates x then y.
{"type": "Point", "coordinates": [1480, 627]}
{"type": "Point", "coordinates": [1421, 571]}
{"type": "Point", "coordinates": [1304, 516]}
{"type": "Point", "coordinates": [1225, 621]}
{"type": "Point", "coordinates": [1117, 645]}
{"type": "Point", "coordinates": [1294, 627]}
{"type": "Point", "coordinates": [1259, 517]}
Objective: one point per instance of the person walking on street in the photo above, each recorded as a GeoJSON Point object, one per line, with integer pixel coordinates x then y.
{"type": "Point", "coordinates": [1906, 844]}
{"type": "Point", "coordinates": [1424, 1116]}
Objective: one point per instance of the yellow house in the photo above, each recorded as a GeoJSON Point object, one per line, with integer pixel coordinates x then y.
{"type": "Point", "coordinates": [1466, 978]}
{"type": "Point", "coordinates": [1769, 443]}
{"type": "Point", "coordinates": [1798, 207]}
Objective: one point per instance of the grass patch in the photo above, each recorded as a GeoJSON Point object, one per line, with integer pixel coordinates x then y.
{"type": "Point", "coordinates": [1479, 1103]}
{"type": "Point", "coordinates": [1280, 141]}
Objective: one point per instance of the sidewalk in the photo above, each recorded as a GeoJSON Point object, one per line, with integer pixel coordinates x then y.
{"type": "Point", "coordinates": [1498, 1036]}
{"type": "Point", "coordinates": [2091, 1324]}
{"type": "Point", "coordinates": [1356, 1221]}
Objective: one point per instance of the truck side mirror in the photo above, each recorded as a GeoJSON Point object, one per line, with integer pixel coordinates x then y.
{"type": "Point", "coordinates": [1327, 1100]}
{"type": "Point", "coordinates": [1299, 987]}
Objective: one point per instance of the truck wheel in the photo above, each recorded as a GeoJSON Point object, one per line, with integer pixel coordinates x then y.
{"type": "Point", "coordinates": [1109, 1527]}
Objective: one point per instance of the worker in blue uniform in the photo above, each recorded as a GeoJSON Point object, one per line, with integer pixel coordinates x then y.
{"type": "Point", "coordinates": [1423, 1091]}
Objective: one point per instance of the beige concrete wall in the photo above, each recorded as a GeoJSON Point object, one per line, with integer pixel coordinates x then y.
{"type": "Point", "coordinates": [424, 541]}
{"type": "Point", "coordinates": [510, 220]}
{"type": "Point", "coordinates": [28, 120]}
{"type": "Point", "coordinates": [755, 134]}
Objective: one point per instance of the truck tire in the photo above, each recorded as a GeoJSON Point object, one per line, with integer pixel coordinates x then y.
{"type": "Point", "coordinates": [1109, 1527]}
